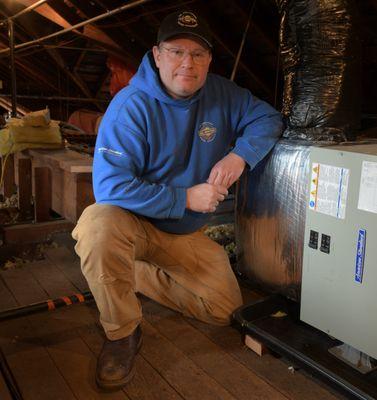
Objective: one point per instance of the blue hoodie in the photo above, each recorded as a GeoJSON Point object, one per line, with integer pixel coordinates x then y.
{"type": "Point", "coordinates": [151, 147]}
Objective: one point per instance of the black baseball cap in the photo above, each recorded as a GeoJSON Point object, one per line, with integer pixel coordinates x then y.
{"type": "Point", "coordinates": [184, 23]}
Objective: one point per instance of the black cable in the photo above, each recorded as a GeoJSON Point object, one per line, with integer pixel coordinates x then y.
{"type": "Point", "coordinates": [9, 379]}
{"type": "Point", "coordinates": [17, 312]}
{"type": "Point", "coordinates": [48, 305]}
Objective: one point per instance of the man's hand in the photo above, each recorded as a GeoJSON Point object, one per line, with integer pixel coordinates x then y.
{"type": "Point", "coordinates": [205, 197]}
{"type": "Point", "coordinates": [227, 170]}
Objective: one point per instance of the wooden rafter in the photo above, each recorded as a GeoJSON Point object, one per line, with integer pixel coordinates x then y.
{"type": "Point", "coordinates": [37, 75]}
{"type": "Point", "coordinates": [125, 53]}
{"type": "Point", "coordinates": [79, 60]}
{"type": "Point", "coordinates": [90, 31]}
{"type": "Point", "coordinates": [50, 13]}
{"type": "Point", "coordinates": [7, 105]}
{"type": "Point", "coordinates": [33, 72]}
{"type": "Point", "coordinates": [139, 36]}
{"type": "Point", "coordinates": [74, 76]}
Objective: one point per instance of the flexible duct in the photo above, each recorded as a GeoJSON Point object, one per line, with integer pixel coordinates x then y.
{"type": "Point", "coordinates": [320, 53]}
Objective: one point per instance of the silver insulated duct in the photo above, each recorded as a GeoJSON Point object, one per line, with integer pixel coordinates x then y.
{"type": "Point", "coordinates": [270, 217]}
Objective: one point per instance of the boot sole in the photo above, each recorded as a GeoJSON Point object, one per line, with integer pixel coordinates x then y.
{"type": "Point", "coordinates": [119, 384]}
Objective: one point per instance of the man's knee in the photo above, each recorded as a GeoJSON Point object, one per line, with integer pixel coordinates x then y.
{"type": "Point", "coordinates": [100, 221]}
{"type": "Point", "coordinates": [102, 228]}
{"type": "Point", "coordinates": [102, 232]}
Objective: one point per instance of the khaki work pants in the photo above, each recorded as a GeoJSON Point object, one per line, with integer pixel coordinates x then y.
{"type": "Point", "coordinates": [122, 254]}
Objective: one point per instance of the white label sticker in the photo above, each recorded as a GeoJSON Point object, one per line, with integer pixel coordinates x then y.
{"type": "Point", "coordinates": [368, 187]}
{"type": "Point", "coordinates": [328, 190]}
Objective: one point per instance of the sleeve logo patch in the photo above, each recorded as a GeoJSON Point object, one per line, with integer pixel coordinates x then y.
{"type": "Point", "coordinates": [207, 132]}
{"type": "Point", "coordinates": [110, 151]}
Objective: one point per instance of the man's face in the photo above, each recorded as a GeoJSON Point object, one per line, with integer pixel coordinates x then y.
{"type": "Point", "coordinates": [183, 64]}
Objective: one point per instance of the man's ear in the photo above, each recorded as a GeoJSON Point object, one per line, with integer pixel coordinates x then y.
{"type": "Point", "coordinates": [210, 59]}
{"type": "Point", "coordinates": [156, 56]}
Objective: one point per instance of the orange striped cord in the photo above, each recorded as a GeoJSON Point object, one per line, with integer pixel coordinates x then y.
{"type": "Point", "coordinates": [66, 300]}
{"type": "Point", "coordinates": [80, 297]}
{"type": "Point", "coordinates": [50, 305]}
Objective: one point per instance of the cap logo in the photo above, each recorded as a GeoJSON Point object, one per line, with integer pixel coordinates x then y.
{"type": "Point", "coordinates": [187, 19]}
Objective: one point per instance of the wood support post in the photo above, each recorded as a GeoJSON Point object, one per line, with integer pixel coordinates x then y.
{"type": "Point", "coordinates": [70, 180]}
{"type": "Point", "coordinates": [42, 193]}
{"type": "Point", "coordinates": [9, 187]}
{"type": "Point", "coordinates": [24, 183]}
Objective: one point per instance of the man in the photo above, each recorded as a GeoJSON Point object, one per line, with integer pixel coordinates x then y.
{"type": "Point", "coordinates": [163, 162]}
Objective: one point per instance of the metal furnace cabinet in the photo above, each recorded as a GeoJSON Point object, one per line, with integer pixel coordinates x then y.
{"type": "Point", "coordinates": [339, 284]}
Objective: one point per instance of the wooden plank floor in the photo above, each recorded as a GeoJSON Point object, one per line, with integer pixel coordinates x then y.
{"type": "Point", "coordinates": [53, 355]}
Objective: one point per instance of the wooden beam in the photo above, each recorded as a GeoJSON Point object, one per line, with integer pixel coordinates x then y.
{"type": "Point", "coordinates": [79, 60]}
{"type": "Point", "coordinates": [75, 77]}
{"type": "Point", "coordinates": [34, 233]}
{"type": "Point", "coordinates": [42, 193]}
{"type": "Point", "coordinates": [39, 75]}
{"type": "Point", "coordinates": [71, 184]}
{"type": "Point", "coordinates": [66, 160]}
{"type": "Point", "coordinates": [35, 72]}
{"type": "Point", "coordinates": [24, 185]}
{"type": "Point", "coordinates": [99, 37]}
{"type": "Point", "coordinates": [31, 72]}
{"type": "Point", "coordinates": [131, 48]}
{"type": "Point", "coordinates": [9, 185]}
{"type": "Point", "coordinates": [140, 37]}
{"type": "Point", "coordinates": [92, 32]}
{"type": "Point", "coordinates": [48, 12]}
{"type": "Point", "coordinates": [7, 104]}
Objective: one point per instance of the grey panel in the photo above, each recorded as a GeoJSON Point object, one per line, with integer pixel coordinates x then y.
{"type": "Point", "coordinates": [332, 299]}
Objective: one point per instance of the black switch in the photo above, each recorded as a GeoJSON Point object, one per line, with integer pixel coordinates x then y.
{"type": "Point", "coordinates": [325, 243]}
{"type": "Point", "coordinates": [313, 240]}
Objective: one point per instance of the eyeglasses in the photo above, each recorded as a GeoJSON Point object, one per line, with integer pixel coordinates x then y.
{"type": "Point", "coordinates": [176, 54]}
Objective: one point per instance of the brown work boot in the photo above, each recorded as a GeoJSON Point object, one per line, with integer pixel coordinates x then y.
{"type": "Point", "coordinates": [115, 365]}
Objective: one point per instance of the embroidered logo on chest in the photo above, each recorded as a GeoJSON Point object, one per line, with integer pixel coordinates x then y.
{"type": "Point", "coordinates": [207, 131]}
